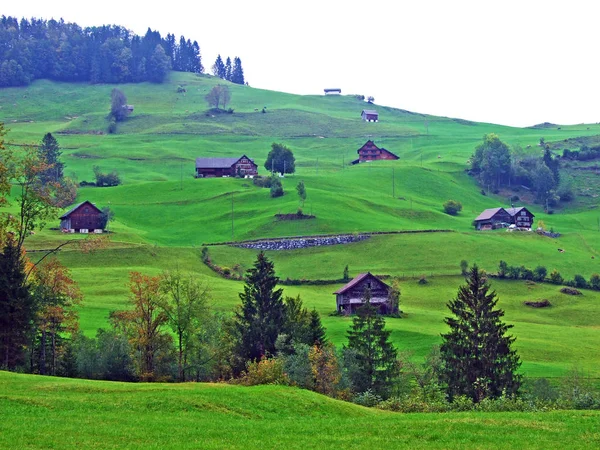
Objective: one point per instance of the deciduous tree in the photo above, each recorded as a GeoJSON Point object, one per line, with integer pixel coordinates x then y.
{"type": "Point", "coordinates": [118, 105]}
{"type": "Point", "coordinates": [218, 96]}
{"type": "Point", "coordinates": [280, 159]}
{"type": "Point", "coordinates": [478, 360]}
{"type": "Point", "coordinates": [301, 189]}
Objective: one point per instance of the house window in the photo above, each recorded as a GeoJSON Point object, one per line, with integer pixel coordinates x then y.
{"type": "Point", "coordinates": [522, 213]}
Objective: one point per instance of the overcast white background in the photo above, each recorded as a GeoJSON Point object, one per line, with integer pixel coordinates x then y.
{"type": "Point", "coordinates": [510, 62]}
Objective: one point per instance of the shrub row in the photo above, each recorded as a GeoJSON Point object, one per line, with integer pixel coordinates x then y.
{"type": "Point", "coordinates": [540, 274]}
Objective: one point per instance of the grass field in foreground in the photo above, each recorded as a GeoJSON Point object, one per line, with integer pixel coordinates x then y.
{"type": "Point", "coordinates": [44, 412]}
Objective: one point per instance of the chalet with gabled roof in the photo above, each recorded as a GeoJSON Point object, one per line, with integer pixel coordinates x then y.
{"type": "Point", "coordinates": [350, 297]}
{"type": "Point", "coordinates": [370, 152]}
{"type": "Point", "coordinates": [85, 217]}
{"type": "Point", "coordinates": [369, 115]}
{"type": "Point", "coordinates": [494, 218]}
{"type": "Point", "coordinates": [225, 167]}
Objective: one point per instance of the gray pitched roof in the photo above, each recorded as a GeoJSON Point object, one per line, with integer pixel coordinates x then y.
{"type": "Point", "coordinates": [369, 111]}
{"type": "Point", "coordinates": [218, 163]}
{"type": "Point", "coordinates": [357, 279]}
{"type": "Point", "coordinates": [488, 214]}
{"type": "Point", "coordinates": [69, 212]}
{"type": "Point", "coordinates": [514, 211]}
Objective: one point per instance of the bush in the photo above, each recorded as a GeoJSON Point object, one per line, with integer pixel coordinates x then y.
{"type": "Point", "coordinates": [265, 371]}
{"type": "Point", "coordinates": [264, 182]}
{"type": "Point", "coordinates": [276, 187]}
{"type": "Point", "coordinates": [556, 277]}
{"type": "Point", "coordinates": [423, 279]}
{"type": "Point", "coordinates": [106, 179]}
{"type": "Point", "coordinates": [570, 291]}
{"type": "Point", "coordinates": [526, 273]}
{"type": "Point", "coordinates": [595, 282]}
{"type": "Point", "coordinates": [367, 398]}
{"type": "Point", "coordinates": [580, 282]}
{"type": "Point", "coordinates": [539, 273]}
{"type": "Point", "coordinates": [452, 207]}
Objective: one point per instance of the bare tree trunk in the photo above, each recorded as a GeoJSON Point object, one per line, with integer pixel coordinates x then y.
{"type": "Point", "coordinates": [43, 353]}
{"type": "Point", "coordinates": [180, 359]}
{"type": "Point", "coordinates": [53, 353]}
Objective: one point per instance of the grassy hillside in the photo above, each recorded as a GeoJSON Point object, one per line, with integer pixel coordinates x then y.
{"type": "Point", "coordinates": [41, 412]}
{"type": "Point", "coordinates": [163, 215]}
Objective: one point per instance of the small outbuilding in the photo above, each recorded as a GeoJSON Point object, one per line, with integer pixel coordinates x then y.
{"type": "Point", "coordinates": [350, 297]}
{"type": "Point", "coordinates": [369, 115]}
{"type": "Point", "coordinates": [83, 218]}
{"type": "Point", "coordinates": [370, 152]}
{"type": "Point", "coordinates": [225, 167]}
{"type": "Point", "coordinates": [332, 91]}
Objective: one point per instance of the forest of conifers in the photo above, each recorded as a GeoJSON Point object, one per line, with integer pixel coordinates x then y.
{"type": "Point", "coordinates": [60, 51]}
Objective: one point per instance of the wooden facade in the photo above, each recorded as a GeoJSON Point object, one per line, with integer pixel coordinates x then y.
{"type": "Point", "coordinates": [83, 218]}
{"type": "Point", "coordinates": [225, 167]}
{"type": "Point", "coordinates": [369, 115]}
{"type": "Point", "coordinates": [493, 218]}
{"type": "Point", "coordinates": [332, 91]}
{"type": "Point", "coordinates": [370, 152]}
{"type": "Point", "coordinates": [350, 297]}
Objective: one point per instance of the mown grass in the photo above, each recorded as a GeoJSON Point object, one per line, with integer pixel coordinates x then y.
{"type": "Point", "coordinates": [163, 215]}
{"type": "Point", "coordinates": [42, 412]}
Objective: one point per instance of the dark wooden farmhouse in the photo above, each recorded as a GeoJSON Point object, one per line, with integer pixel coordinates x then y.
{"type": "Point", "coordinates": [369, 115]}
{"type": "Point", "coordinates": [332, 91]}
{"type": "Point", "coordinates": [521, 217]}
{"type": "Point", "coordinates": [493, 218]}
{"type": "Point", "coordinates": [83, 218]}
{"type": "Point", "coordinates": [225, 167]}
{"type": "Point", "coordinates": [370, 152]}
{"type": "Point", "coordinates": [350, 297]}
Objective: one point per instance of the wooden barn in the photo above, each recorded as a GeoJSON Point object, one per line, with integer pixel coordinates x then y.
{"type": "Point", "coordinates": [521, 217]}
{"type": "Point", "coordinates": [369, 115]}
{"type": "Point", "coordinates": [350, 297]}
{"type": "Point", "coordinates": [225, 167]}
{"type": "Point", "coordinates": [493, 218]}
{"type": "Point", "coordinates": [83, 218]}
{"type": "Point", "coordinates": [370, 152]}
{"type": "Point", "coordinates": [332, 91]}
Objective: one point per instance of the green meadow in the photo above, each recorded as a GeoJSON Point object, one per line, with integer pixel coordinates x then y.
{"type": "Point", "coordinates": [43, 412]}
{"type": "Point", "coordinates": [163, 216]}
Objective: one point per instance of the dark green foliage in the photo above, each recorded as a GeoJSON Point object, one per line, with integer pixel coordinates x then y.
{"type": "Point", "coordinates": [228, 69]}
{"type": "Point", "coordinates": [580, 282]}
{"type": "Point", "coordinates": [301, 326]}
{"type": "Point", "coordinates": [107, 357]}
{"type": "Point", "coordinates": [477, 357]}
{"type": "Point", "coordinates": [556, 277]}
{"type": "Point", "coordinates": [237, 73]}
{"type": "Point", "coordinates": [218, 68]}
{"type": "Point", "coordinates": [373, 353]}
{"type": "Point", "coordinates": [50, 153]}
{"type": "Point", "coordinates": [492, 161]}
{"type": "Point", "coordinates": [539, 273]}
{"type": "Point", "coordinates": [261, 316]}
{"type": "Point", "coordinates": [595, 282]}
{"type": "Point", "coordinates": [61, 51]}
{"type": "Point", "coordinates": [464, 265]}
{"type": "Point", "coordinates": [107, 216]}
{"type": "Point", "coordinates": [276, 187]}
{"type": "Point", "coordinates": [280, 159]}
{"type": "Point", "coordinates": [346, 275]}
{"type": "Point", "coordinates": [452, 207]}
{"type": "Point", "coordinates": [17, 309]}
{"type": "Point", "coordinates": [543, 181]}
{"type": "Point", "coordinates": [106, 179]}
{"type": "Point", "coordinates": [502, 269]}
{"type": "Point", "coordinates": [118, 105]}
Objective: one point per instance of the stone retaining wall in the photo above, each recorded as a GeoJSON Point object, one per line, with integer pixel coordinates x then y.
{"type": "Point", "coordinates": [297, 243]}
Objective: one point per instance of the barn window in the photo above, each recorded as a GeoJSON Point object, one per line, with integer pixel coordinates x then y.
{"type": "Point", "coordinates": [86, 210]}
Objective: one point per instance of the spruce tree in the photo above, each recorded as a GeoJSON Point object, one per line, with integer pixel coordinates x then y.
{"type": "Point", "coordinates": [261, 317]}
{"type": "Point", "coordinates": [218, 68]}
{"type": "Point", "coordinates": [374, 354]}
{"type": "Point", "coordinates": [16, 306]}
{"type": "Point", "coordinates": [50, 153]}
{"type": "Point", "coordinates": [477, 357]}
{"type": "Point", "coordinates": [228, 69]}
{"type": "Point", "coordinates": [237, 73]}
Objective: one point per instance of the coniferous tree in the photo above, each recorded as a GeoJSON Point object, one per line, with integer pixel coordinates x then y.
{"type": "Point", "coordinates": [237, 73]}
{"type": "Point", "coordinates": [17, 309]}
{"type": "Point", "coordinates": [374, 354]}
{"type": "Point", "coordinates": [228, 69]}
{"type": "Point", "coordinates": [261, 317]}
{"type": "Point", "coordinates": [477, 357]}
{"type": "Point", "coordinates": [50, 153]}
{"type": "Point", "coordinates": [218, 68]}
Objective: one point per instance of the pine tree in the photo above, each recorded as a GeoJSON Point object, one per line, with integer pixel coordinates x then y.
{"type": "Point", "coordinates": [237, 73]}
{"type": "Point", "coordinates": [218, 68]}
{"type": "Point", "coordinates": [477, 357]}
{"type": "Point", "coordinates": [373, 352]}
{"type": "Point", "coordinates": [17, 309]}
{"type": "Point", "coordinates": [228, 69]}
{"type": "Point", "coordinates": [316, 330]}
{"type": "Point", "coordinates": [261, 317]}
{"type": "Point", "coordinates": [50, 153]}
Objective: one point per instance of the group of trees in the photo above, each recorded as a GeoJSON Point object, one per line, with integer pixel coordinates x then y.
{"type": "Point", "coordinates": [218, 96]}
{"type": "Point", "coordinates": [497, 166]}
{"type": "Point", "coordinates": [227, 71]}
{"type": "Point", "coordinates": [36, 48]}
{"type": "Point", "coordinates": [540, 273]}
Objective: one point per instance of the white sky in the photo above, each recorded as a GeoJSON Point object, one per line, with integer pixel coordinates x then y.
{"type": "Point", "coordinates": [509, 62]}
